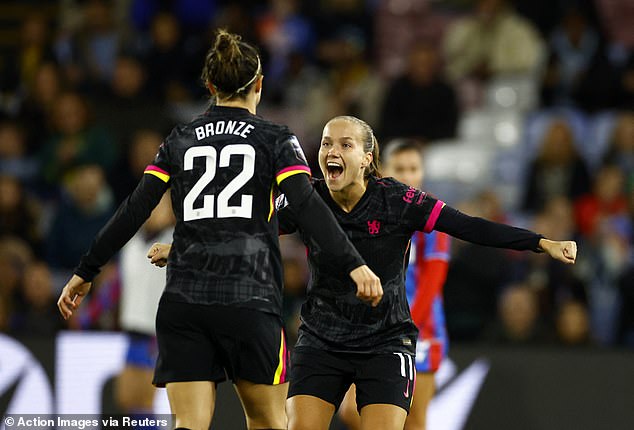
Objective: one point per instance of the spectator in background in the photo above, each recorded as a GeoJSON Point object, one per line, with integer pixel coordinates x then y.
{"type": "Point", "coordinates": [621, 147]}
{"type": "Point", "coordinates": [167, 54]}
{"type": "Point", "coordinates": [626, 286]}
{"type": "Point", "coordinates": [282, 30]}
{"type": "Point", "coordinates": [126, 105]}
{"type": "Point", "coordinates": [518, 311]}
{"type": "Point", "coordinates": [573, 45]}
{"type": "Point", "coordinates": [354, 87]}
{"type": "Point", "coordinates": [194, 15]}
{"type": "Point", "coordinates": [493, 41]}
{"type": "Point", "coordinates": [38, 315]}
{"type": "Point", "coordinates": [19, 215]}
{"type": "Point", "coordinates": [88, 53]}
{"type": "Point", "coordinates": [557, 171]}
{"type": "Point", "coordinates": [13, 158]}
{"type": "Point", "coordinates": [141, 151]}
{"type": "Point", "coordinates": [20, 67]}
{"type": "Point", "coordinates": [626, 85]}
{"type": "Point", "coordinates": [87, 206]}
{"type": "Point", "coordinates": [419, 104]}
{"type": "Point", "coordinates": [606, 200]}
{"type": "Point", "coordinates": [74, 141]}
{"type": "Point", "coordinates": [573, 323]}
{"type": "Point", "coordinates": [617, 19]}
{"type": "Point", "coordinates": [473, 281]}
{"type": "Point", "coordinates": [237, 18]}
{"type": "Point", "coordinates": [552, 284]}
{"type": "Point", "coordinates": [15, 255]}
{"type": "Point", "coordinates": [37, 109]}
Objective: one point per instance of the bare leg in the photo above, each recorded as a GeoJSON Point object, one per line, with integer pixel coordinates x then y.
{"type": "Point", "coordinates": [382, 417]}
{"type": "Point", "coordinates": [192, 403]}
{"type": "Point", "coordinates": [309, 413]}
{"type": "Point", "coordinates": [264, 405]}
{"type": "Point", "coordinates": [348, 410]}
{"type": "Point", "coordinates": [423, 393]}
{"type": "Point", "coordinates": [134, 390]}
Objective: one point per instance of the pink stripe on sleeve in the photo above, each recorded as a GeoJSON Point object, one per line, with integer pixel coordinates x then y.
{"type": "Point", "coordinates": [156, 169]}
{"type": "Point", "coordinates": [291, 168]}
{"type": "Point", "coordinates": [433, 217]}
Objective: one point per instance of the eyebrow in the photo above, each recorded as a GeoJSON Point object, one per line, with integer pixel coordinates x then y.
{"type": "Point", "coordinates": [342, 138]}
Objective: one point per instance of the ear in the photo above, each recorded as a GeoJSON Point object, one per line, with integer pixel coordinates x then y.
{"type": "Point", "coordinates": [258, 84]}
{"type": "Point", "coordinates": [367, 159]}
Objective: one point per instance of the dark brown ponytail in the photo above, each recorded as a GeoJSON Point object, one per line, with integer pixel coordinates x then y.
{"type": "Point", "coordinates": [231, 66]}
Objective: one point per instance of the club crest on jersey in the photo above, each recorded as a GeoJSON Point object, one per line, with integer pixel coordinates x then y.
{"type": "Point", "coordinates": [374, 227]}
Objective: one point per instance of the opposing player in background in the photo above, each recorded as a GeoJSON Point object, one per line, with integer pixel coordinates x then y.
{"type": "Point", "coordinates": [141, 289]}
{"type": "Point", "coordinates": [426, 273]}
{"type": "Point", "coordinates": [220, 313]}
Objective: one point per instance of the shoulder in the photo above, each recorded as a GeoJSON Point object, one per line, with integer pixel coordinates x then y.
{"type": "Point", "coordinates": [391, 187]}
{"type": "Point", "coordinates": [399, 194]}
{"type": "Point", "coordinates": [180, 131]}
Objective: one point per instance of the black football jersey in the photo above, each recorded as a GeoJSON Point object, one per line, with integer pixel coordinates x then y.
{"type": "Point", "coordinates": [380, 227]}
{"type": "Point", "coordinates": [223, 169]}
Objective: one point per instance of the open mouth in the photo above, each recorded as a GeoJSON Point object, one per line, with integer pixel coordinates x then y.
{"type": "Point", "coordinates": [334, 169]}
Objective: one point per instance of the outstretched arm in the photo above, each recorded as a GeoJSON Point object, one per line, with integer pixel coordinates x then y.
{"type": "Point", "coordinates": [132, 213]}
{"type": "Point", "coordinates": [489, 233]}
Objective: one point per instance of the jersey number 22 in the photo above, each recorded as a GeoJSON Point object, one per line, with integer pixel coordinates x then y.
{"type": "Point", "coordinates": [210, 154]}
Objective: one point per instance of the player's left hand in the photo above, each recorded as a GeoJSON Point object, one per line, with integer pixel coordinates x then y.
{"type": "Point", "coordinates": [565, 251]}
{"type": "Point", "coordinates": [158, 254]}
{"type": "Point", "coordinates": [72, 295]}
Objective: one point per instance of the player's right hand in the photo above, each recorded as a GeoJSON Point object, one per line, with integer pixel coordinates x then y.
{"type": "Point", "coordinates": [369, 287]}
{"type": "Point", "coordinates": [158, 254]}
{"type": "Point", "coordinates": [73, 293]}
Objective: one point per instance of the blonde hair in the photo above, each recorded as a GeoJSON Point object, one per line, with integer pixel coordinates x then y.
{"type": "Point", "coordinates": [370, 143]}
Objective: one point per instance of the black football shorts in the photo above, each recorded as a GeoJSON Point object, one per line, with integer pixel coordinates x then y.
{"type": "Point", "coordinates": [386, 378]}
{"type": "Point", "coordinates": [212, 342]}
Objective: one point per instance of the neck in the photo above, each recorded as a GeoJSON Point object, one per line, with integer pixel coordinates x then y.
{"type": "Point", "coordinates": [248, 103]}
{"type": "Point", "coordinates": [348, 197]}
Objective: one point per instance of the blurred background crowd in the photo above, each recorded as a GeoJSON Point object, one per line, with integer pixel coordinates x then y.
{"type": "Point", "coordinates": [524, 110]}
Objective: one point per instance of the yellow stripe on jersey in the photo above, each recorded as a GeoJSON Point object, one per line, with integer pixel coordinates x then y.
{"type": "Point", "coordinates": [158, 172]}
{"type": "Point", "coordinates": [290, 171]}
{"type": "Point", "coordinates": [272, 203]}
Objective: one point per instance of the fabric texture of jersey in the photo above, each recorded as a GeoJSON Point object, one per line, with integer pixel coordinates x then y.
{"type": "Point", "coordinates": [380, 227]}
{"type": "Point", "coordinates": [426, 274]}
{"type": "Point", "coordinates": [226, 248]}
